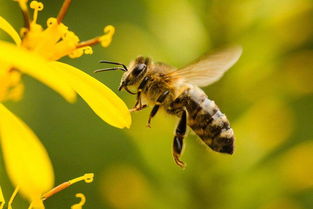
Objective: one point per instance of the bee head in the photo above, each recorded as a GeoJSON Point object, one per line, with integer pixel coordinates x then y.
{"type": "Point", "coordinates": [132, 75]}
{"type": "Point", "coordinates": [137, 71]}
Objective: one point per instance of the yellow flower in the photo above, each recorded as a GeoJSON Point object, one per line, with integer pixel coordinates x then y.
{"type": "Point", "coordinates": [35, 53]}
{"type": "Point", "coordinates": [26, 160]}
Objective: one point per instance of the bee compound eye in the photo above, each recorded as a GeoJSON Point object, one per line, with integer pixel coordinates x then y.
{"type": "Point", "coordinates": [138, 69]}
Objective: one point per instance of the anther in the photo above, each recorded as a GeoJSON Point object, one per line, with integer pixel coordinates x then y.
{"type": "Point", "coordinates": [88, 178]}
{"type": "Point", "coordinates": [105, 39]}
{"type": "Point", "coordinates": [81, 203]}
{"type": "Point", "coordinates": [87, 50]}
{"type": "Point", "coordinates": [37, 6]}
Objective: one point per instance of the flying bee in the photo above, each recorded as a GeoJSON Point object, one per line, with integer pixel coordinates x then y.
{"type": "Point", "coordinates": [177, 92]}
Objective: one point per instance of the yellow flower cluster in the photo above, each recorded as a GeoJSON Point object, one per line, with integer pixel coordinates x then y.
{"type": "Point", "coordinates": [57, 40]}
{"type": "Point", "coordinates": [35, 53]}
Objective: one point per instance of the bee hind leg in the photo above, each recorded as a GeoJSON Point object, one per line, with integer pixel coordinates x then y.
{"type": "Point", "coordinates": [156, 107]}
{"type": "Point", "coordinates": [178, 139]}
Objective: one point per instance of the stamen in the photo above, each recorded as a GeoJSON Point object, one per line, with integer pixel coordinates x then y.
{"type": "Point", "coordinates": [12, 198]}
{"type": "Point", "coordinates": [81, 203]}
{"type": "Point", "coordinates": [56, 190]}
{"type": "Point", "coordinates": [63, 10]}
{"type": "Point", "coordinates": [105, 40]}
{"type": "Point", "coordinates": [79, 52]}
{"type": "Point", "coordinates": [90, 42]}
{"type": "Point", "coordinates": [88, 50]}
{"type": "Point", "coordinates": [24, 9]}
{"type": "Point", "coordinates": [88, 178]}
{"type": "Point", "coordinates": [2, 200]}
{"type": "Point", "coordinates": [37, 6]}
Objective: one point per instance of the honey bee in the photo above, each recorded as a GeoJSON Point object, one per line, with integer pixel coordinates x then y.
{"type": "Point", "coordinates": [177, 92]}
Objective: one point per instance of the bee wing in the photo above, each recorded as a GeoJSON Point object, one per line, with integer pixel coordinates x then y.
{"type": "Point", "coordinates": [210, 68]}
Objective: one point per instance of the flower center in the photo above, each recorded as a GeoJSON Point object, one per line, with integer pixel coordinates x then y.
{"type": "Point", "coordinates": [56, 41]}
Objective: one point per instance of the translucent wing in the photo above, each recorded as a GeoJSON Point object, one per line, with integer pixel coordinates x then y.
{"type": "Point", "coordinates": [210, 68]}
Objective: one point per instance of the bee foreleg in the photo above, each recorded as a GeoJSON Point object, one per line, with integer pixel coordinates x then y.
{"type": "Point", "coordinates": [156, 107]}
{"type": "Point", "coordinates": [135, 109]}
{"type": "Point", "coordinates": [138, 106]}
{"type": "Point", "coordinates": [178, 139]}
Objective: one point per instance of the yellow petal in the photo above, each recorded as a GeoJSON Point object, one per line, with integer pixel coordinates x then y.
{"type": "Point", "coordinates": [37, 67]}
{"type": "Point", "coordinates": [2, 201]}
{"type": "Point", "coordinates": [7, 27]}
{"type": "Point", "coordinates": [103, 101]}
{"type": "Point", "coordinates": [26, 160]}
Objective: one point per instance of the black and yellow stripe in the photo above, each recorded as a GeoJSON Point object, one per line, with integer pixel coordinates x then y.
{"type": "Point", "coordinates": [209, 123]}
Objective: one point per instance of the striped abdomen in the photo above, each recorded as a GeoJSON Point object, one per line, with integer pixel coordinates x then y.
{"type": "Point", "coordinates": [208, 122]}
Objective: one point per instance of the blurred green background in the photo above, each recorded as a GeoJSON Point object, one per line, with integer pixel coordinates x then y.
{"type": "Point", "coordinates": [267, 97]}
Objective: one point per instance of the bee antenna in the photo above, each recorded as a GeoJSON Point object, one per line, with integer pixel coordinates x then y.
{"type": "Point", "coordinates": [109, 69]}
{"type": "Point", "coordinates": [114, 63]}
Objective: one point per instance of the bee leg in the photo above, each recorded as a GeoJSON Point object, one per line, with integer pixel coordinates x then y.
{"type": "Point", "coordinates": [138, 98]}
{"type": "Point", "coordinates": [156, 107]}
{"type": "Point", "coordinates": [135, 109]}
{"type": "Point", "coordinates": [178, 139]}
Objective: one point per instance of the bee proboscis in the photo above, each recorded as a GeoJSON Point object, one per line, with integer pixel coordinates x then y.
{"type": "Point", "coordinates": [178, 92]}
